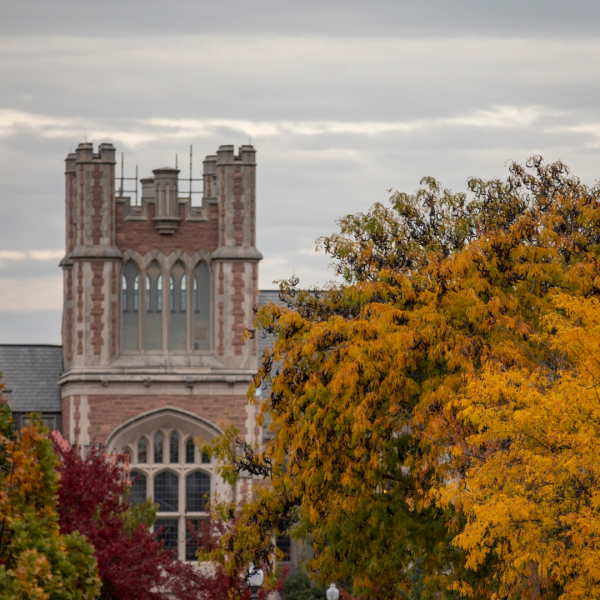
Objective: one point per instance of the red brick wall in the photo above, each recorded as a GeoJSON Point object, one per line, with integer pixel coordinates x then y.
{"type": "Point", "coordinates": [190, 236]}
{"type": "Point", "coordinates": [106, 412]}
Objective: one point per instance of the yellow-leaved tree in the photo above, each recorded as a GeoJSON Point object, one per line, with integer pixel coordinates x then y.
{"type": "Point", "coordinates": [531, 487]}
{"type": "Point", "coordinates": [368, 377]}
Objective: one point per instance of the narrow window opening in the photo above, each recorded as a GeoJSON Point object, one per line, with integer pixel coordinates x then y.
{"type": "Point", "coordinates": [174, 448]}
{"type": "Point", "coordinates": [202, 308]}
{"type": "Point", "coordinates": [142, 451]}
{"type": "Point", "coordinates": [130, 321]}
{"type": "Point", "coordinates": [189, 451]}
{"type": "Point", "coordinates": [158, 447]}
{"type": "Point", "coordinates": [178, 327]}
{"type": "Point", "coordinates": [154, 308]}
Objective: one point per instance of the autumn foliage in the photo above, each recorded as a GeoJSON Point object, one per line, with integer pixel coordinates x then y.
{"type": "Point", "coordinates": [132, 562]}
{"type": "Point", "coordinates": [37, 561]}
{"type": "Point", "coordinates": [439, 406]}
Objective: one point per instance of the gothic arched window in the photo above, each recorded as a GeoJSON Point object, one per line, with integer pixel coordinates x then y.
{"type": "Point", "coordinates": [158, 447]}
{"type": "Point", "coordinates": [154, 308]}
{"type": "Point", "coordinates": [143, 451]}
{"type": "Point", "coordinates": [202, 308]}
{"type": "Point", "coordinates": [130, 321]}
{"type": "Point", "coordinates": [189, 451]}
{"type": "Point", "coordinates": [178, 303]}
{"type": "Point", "coordinates": [174, 448]}
{"type": "Point", "coordinates": [166, 492]}
{"type": "Point", "coordinates": [197, 488]}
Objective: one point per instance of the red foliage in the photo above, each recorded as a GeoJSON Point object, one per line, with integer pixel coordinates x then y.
{"type": "Point", "coordinates": [132, 564]}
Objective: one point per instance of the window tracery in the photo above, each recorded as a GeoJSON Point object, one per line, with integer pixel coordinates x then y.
{"type": "Point", "coordinates": [183, 332]}
{"type": "Point", "coordinates": [175, 476]}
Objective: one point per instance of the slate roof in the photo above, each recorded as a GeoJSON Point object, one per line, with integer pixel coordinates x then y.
{"type": "Point", "coordinates": [31, 373]}
{"type": "Point", "coordinates": [264, 297]}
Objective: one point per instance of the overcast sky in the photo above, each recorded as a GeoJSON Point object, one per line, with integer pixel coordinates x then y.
{"type": "Point", "coordinates": [343, 100]}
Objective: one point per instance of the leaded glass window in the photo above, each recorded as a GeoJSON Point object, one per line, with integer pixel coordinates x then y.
{"type": "Point", "coordinates": [189, 451]}
{"type": "Point", "coordinates": [168, 533]}
{"type": "Point", "coordinates": [154, 308]}
{"type": "Point", "coordinates": [192, 538]}
{"type": "Point", "coordinates": [158, 447]}
{"type": "Point", "coordinates": [138, 488]}
{"type": "Point", "coordinates": [174, 448]}
{"type": "Point", "coordinates": [143, 451]}
{"type": "Point", "coordinates": [197, 489]}
{"type": "Point", "coordinates": [205, 459]}
{"type": "Point", "coordinates": [201, 308]}
{"type": "Point", "coordinates": [130, 322]}
{"type": "Point", "coordinates": [178, 330]}
{"type": "Point", "coordinates": [166, 491]}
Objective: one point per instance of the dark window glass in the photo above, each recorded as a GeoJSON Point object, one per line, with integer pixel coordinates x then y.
{"type": "Point", "coordinates": [178, 317]}
{"type": "Point", "coordinates": [142, 451]}
{"type": "Point", "coordinates": [189, 451]}
{"type": "Point", "coordinates": [202, 308]}
{"type": "Point", "coordinates": [285, 545]}
{"type": "Point", "coordinates": [168, 535]}
{"type": "Point", "coordinates": [130, 308]}
{"type": "Point", "coordinates": [192, 538]}
{"type": "Point", "coordinates": [158, 447]}
{"type": "Point", "coordinates": [205, 459]}
{"type": "Point", "coordinates": [174, 448]}
{"type": "Point", "coordinates": [197, 488]}
{"type": "Point", "coordinates": [154, 308]}
{"type": "Point", "coordinates": [138, 488]}
{"type": "Point", "coordinates": [166, 492]}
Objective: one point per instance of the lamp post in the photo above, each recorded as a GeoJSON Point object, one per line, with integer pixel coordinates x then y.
{"type": "Point", "coordinates": [255, 580]}
{"type": "Point", "coordinates": [332, 592]}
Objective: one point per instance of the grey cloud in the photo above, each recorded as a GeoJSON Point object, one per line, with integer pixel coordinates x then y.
{"type": "Point", "coordinates": [354, 18]}
{"type": "Point", "coordinates": [342, 101]}
{"type": "Point", "coordinates": [42, 327]}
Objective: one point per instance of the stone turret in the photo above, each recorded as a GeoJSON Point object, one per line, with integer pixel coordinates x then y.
{"type": "Point", "coordinates": [167, 200]}
{"type": "Point", "coordinates": [92, 261]}
{"type": "Point", "coordinates": [236, 257]}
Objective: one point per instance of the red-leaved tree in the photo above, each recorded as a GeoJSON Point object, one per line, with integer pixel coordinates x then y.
{"type": "Point", "coordinates": [132, 562]}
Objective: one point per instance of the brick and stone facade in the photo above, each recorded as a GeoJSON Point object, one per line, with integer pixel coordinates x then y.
{"type": "Point", "coordinates": [104, 385]}
{"type": "Point", "coordinates": [156, 301]}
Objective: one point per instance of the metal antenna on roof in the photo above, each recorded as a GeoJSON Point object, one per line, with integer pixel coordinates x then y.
{"type": "Point", "coordinates": [122, 179]}
{"type": "Point", "coordinates": [122, 176]}
{"type": "Point", "coordinates": [191, 178]}
{"type": "Point", "coordinates": [176, 159]}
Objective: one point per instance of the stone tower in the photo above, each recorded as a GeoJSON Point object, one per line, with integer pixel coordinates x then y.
{"type": "Point", "coordinates": [156, 299]}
